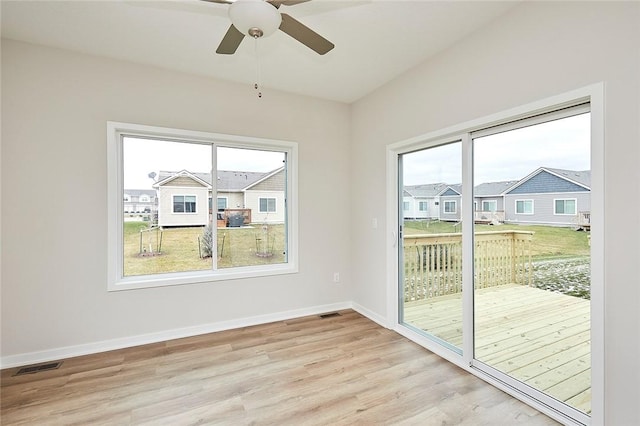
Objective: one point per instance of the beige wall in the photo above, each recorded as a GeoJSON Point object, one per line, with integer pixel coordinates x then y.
{"type": "Point", "coordinates": [537, 50]}
{"type": "Point", "coordinates": [166, 216]}
{"type": "Point", "coordinates": [55, 106]}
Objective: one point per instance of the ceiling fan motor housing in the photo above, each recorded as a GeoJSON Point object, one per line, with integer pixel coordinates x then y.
{"type": "Point", "coordinates": [255, 18]}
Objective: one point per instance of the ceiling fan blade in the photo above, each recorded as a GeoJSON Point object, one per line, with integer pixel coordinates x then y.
{"type": "Point", "coordinates": [305, 35]}
{"type": "Point", "coordinates": [230, 41]}
{"type": "Point", "coordinates": [278, 3]}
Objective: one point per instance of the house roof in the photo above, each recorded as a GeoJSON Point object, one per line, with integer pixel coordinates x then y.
{"type": "Point", "coordinates": [425, 190]}
{"type": "Point", "coordinates": [582, 177]}
{"type": "Point", "coordinates": [228, 180]}
{"type": "Point", "coordinates": [489, 189]}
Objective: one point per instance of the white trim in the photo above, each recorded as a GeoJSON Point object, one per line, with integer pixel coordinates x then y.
{"type": "Point", "coordinates": [524, 200]}
{"type": "Point", "coordinates": [490, 201]}
{"type": "Point", "coordinates": [444, 206]}
{"type": "Point", "coordinates": [116, 132]}
{"type": "Point", "coordinates": [162, 336]}
{"type": "Point", "coordinates": [173, 203]}
{"type": "Point", "coordinates": [575, 200]}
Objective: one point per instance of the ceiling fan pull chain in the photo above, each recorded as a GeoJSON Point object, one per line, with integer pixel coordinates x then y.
{"type": "Point", "coordinates": [258, 82]}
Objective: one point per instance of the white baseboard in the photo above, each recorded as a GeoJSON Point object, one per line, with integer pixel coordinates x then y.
{"type": "Point", "coordinates": [373, 316]}
{"type": "Point", "coordinates": [161, 336]}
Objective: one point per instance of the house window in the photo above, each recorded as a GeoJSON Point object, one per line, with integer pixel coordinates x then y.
{"type": "Point", "coordinates": [489, 206]}
{"type": "Point", "coordinates": [450, 206]}
{"type": "Point", "coordinates": [422, 206]}
{"type": "Point", "coordinates": [405, 206]}
{"type": "Point", "coordinates": [524, 206]}
{"type": "Point", "coordinates": [144, 198]}
{"type": "Point", "coordinates": [184, 204]}
{"type": "Point", "coordinates": [267, 205]}
{"type": "Point", "coordinates": [182, 243]}
{"type": "Point", "coordinates": [222, 203]}
{"type": "Point", "coordinates": [565, 207]}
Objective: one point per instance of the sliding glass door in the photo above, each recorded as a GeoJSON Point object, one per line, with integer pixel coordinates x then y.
{"type": "Point", "coordinates": [532, 256]}
{"type": "Point", "coordinates": [495, 252]}
{"type": "Point", "coordinates": [431, 249]}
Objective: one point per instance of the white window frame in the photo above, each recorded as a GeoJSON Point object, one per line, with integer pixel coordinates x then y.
{"type": "Point", "coordinates": [494, 202]}
{"type": "Point", "coordinates": [144, 198]}
{"type": "Point", "coordinates": [226, 203]}
{"type": "Point", "coordinates": [575, 200]}
{"type": "Point", "coordinates": [275, 205]}
{"type": "Point", "coordinates": [173, 203]}
{"type": "Point", "coordinates": [425, 204]}
{"type": "Point", "coordinates": [406, 206]}
{"type": "Point", "coordinates": [116, 131]}
{"type": "Point", "coordinates": [524, 200]}
{"type": "Point", "coordinates": [455, 206]}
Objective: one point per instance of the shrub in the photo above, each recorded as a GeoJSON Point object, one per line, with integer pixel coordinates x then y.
{"type": "Point", "coordinates": [207, 241]}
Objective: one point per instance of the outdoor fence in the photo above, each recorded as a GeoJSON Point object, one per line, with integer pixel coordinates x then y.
{"type": "Point", "coordinates": [433, 262]}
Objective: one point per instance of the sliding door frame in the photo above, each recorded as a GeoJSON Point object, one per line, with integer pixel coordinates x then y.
{"type": "Point", "coordinates": [594, 95]}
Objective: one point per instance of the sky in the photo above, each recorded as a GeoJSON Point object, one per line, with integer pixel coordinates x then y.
{"type": "Point", "coordinates": [143, 156]}
{"type": "Point", "coordinates": [561, 144]}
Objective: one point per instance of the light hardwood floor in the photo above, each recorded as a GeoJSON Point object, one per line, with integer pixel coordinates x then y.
{"type": "Point", "coordinates": [309, 371]}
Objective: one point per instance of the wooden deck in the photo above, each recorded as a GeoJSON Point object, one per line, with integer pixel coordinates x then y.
{"type": "Point", "coordinates": [539, 337]}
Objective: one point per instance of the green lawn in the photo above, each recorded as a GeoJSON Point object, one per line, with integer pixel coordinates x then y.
{"type": "Point", "coordinates": [179, 249]}
{"type": "Point", "coordinates": [549, 242]}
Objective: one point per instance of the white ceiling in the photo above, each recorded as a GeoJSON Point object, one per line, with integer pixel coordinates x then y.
{"type": "Point", "coordinates": [376, 40]}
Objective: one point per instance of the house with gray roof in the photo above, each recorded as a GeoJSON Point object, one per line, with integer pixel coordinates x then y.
{"type": "Point", "coordinates": [547, 196]}
{"type": "Point", "coordinates": [185, 198]}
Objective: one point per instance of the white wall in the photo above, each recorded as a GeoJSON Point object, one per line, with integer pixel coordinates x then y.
{"type": "Point", "coordinates": [537, 50]}
{"type": "Point", "coordinates": [55, 105]}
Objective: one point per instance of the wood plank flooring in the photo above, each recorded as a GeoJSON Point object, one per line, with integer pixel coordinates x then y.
{"type": "Point", "coordinates": [539, 337]}
{"type": "Point", "coordinates": [341, 370]}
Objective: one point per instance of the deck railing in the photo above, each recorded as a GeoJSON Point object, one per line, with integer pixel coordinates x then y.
{"type": "Point", "coordinates": [493, 217]}
{"type": "Point", "coordinates": [433, 262]}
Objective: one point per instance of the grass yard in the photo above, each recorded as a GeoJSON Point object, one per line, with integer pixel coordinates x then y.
{"type": "Point", "coordinates": [549, 242]}
{"type": "Point", "coordinates": [179, 249]}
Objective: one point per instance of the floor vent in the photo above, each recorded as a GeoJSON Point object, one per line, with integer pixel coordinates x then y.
{"type": "Point", "coordinates": [38, 368]}
{"type": "Point", "coordinates": [330, 315]}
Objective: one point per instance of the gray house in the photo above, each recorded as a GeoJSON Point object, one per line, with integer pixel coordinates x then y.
{"type": "Point", "coordinates": [549, 197]}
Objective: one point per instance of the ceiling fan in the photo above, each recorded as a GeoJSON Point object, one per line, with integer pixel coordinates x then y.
{"type": "Point", "coordinates": [261, 18]}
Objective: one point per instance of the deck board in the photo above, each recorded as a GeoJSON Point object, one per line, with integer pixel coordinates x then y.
{"type": "Point", "coordinates": [539, 337]}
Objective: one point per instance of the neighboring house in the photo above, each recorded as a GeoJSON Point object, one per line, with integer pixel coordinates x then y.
{"type": "Point", "coordinates": [422, 201]}
{"type": "Point", "coordinates": [185, 198]}
{"type": "Point", "coordinates": [549, 197]}
{"type": "Point", "coordinates": [488, 201]}
{"type": "Point", "coordinates": [140, 201]}
{"type": "Point", "coordinates": [450, 203]}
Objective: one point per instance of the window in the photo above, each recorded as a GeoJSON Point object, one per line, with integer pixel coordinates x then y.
{"type": "Point", "coordinates": [489, 206]}
{"type": "Point", "coordinates": [184, 204]}
{"type": "Point", "coordinates": [524, 206]}
{"type": "Point", "coordinates": [405, 206]}
{"type": "Point", "coordinates": [181, 242]}
{"type": "Point", "coordinates": [565, 207]}
{"type": "Point", "coordinates": [126, 198]}
{"type": "Point", "coordinates": [422, 206]}
{"type": "Point", "coordinates": [450, 206]}
{"type": "Point", "coordinates": [144, 198]}
{"type": "Point", "coordinates": [222, 203]}
{"type": "Point", "coordinates": [267, 205]}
